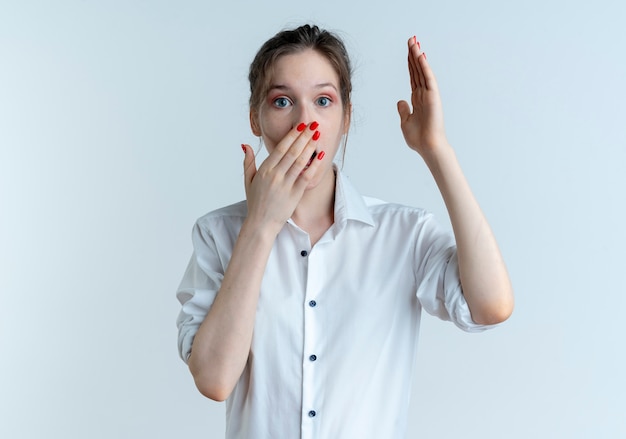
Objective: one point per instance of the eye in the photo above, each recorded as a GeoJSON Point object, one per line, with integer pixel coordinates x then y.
{"type": "Point", "coordinates": [323, 101]}
{"type": "Point", "coordinates": [281, 102]}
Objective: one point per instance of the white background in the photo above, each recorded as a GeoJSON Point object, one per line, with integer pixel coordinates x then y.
{"type": "Point", "coordinates": [120, 124]}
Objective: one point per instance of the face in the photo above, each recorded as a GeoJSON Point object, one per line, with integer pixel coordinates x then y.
{"type": "Point", "coordinates": [304, 87]}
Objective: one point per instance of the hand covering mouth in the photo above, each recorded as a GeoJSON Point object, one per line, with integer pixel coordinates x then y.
{"type": "Point", "coordinates": [311, 159]}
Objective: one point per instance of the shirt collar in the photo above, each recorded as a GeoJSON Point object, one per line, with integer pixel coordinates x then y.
{"type": "Point", "coordinates": [349, 204]}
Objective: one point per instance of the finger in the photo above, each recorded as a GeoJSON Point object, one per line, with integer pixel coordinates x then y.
{"type": "Point", "coordinates": [306, 158]}
{"type": "Point", "coordinates": [294, 151]}
{"type": "Point", "coordinates": [412, 74]}
{"type": "Point", "coordinates": [404, 110]}
{"type": "Point", "coordinates": [285, 145]}
{"type": "Point", "coordinates": [416, 54]}
{"type": "Point", "coordinates": [415, 51]}
{"type": "Point", "coordinates": [429, 76]}
{"type": "Point", "coordinates": [249, 165]}
{"type": "Point", "coordinates": [412, 66]}
{"type": "Point", "coordinates": [305, 177]}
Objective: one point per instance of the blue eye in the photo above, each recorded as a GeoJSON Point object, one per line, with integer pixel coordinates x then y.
{"type": "Point", "coordinates": [323, 101]}
{"type": "Point", "coordinates": [281, 102]}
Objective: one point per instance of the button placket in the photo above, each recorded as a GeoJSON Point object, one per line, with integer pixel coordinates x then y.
{"type": "Point", "coordinates": [310, 386]}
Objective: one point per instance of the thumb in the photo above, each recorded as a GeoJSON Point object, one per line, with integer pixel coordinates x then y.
{"type": "Point", "coordinates": [249, 164]}
{"type": "Point", "coordinates": [403, 110]}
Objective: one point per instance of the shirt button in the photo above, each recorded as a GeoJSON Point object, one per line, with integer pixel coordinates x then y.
{"type": "Point", "coordinates": [304, 253]}
{"type": "Point", "coordinates": [312, 303]}
{"type": "Point", "coordinates": [313, 357]}
{"type": "Point", "coordinates": [312, 414]}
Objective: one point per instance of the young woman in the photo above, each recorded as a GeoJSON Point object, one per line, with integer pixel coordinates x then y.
{"type": "Point", "coordinates": [301, 305]}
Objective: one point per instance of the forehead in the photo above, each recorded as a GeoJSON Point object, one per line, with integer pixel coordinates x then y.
{"type": "Point", "coordinates": [308, 67]}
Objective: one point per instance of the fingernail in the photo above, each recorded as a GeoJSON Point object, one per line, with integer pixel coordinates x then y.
{"type": "Point", "coordinates": [301, 127]}
{"type": "Point", "coordinates": [316, 135]}
{"type": "Point", "coordinates": [314, 126]}
{"type": "Point", "coordinates": [419, 46]}
{"type": "Point", "coordinates": [244, 148]}
{"type": "Point", "coordinates": [424, 53]}
{"type": "Point", "coordinates": [321, 155]}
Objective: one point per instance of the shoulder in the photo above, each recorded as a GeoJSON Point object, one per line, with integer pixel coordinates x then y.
{"type": "Point", "coordinates": [235, 210]}
{"type": "Point", "coordinates": [398, 220]}
{"type": "Point", "coordinates": [231, 215]}
{"type": "Point", "coordinates": [384, 209]}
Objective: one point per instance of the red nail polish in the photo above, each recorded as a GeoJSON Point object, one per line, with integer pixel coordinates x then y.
{"type": "Point", "coordinates": [320, 155]}
{"type": "Point", "coordinates": [244, 148]}
{"type": "Point", "coordinates": [314, 126]}
{"type": "Point", "coordinates": [301, 127]}
{"type": "Point", "coordinates": [424, 53]}
{"type": "Point", "coordinates": [316, 135]}
{"type": "Point", "coordinates": [419, 46]}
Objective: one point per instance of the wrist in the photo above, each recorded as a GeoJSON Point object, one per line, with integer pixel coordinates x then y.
{"type": "Point", "coordinates": [259, 230]}
{"type": "Point", "coordinates": [438, 154]}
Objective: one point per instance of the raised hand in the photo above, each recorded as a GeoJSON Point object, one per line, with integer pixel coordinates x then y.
{"type": "Point", "coordinates": [423, 128]}
{"type": "Point", "coordinates": [275, 189]}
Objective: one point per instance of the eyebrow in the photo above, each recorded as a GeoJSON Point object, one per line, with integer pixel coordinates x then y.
{"type": "Point", "coordinates": [285, 87]}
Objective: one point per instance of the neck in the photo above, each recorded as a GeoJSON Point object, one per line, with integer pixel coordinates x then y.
{"type": "Point", "coordinates": [316, 211]}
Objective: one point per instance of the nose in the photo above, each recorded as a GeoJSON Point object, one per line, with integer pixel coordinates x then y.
{"type": "Point", "coordinates": [302, 115]}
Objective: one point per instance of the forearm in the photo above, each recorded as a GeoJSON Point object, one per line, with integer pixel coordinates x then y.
{"type": "Point", "coordinates": [221, 346]}
{"type": "Point", "coordinates": [484, 278]}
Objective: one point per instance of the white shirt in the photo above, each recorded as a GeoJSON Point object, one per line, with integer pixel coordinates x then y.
{"type": "Point", "coordinates": [337, 324]}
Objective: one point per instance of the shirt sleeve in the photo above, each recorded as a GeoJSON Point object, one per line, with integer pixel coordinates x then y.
{"type": "Point", "coordinates": [198, 289]}
{"type": "Point", "coordinates": [439, 288]}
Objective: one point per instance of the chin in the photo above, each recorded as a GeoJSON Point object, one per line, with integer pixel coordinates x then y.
{"type": "Point", "coordinates": [313, 183]}
{"type": "Point", "coordinates": [319, 177]}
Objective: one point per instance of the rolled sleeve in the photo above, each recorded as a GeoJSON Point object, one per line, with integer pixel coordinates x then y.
{"type": "Point", "coordinates": [439, 288]}
{"type": "Point", "coordinates": [455, 303]}
{"type": "Point", "coordinates": [197, 290]}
